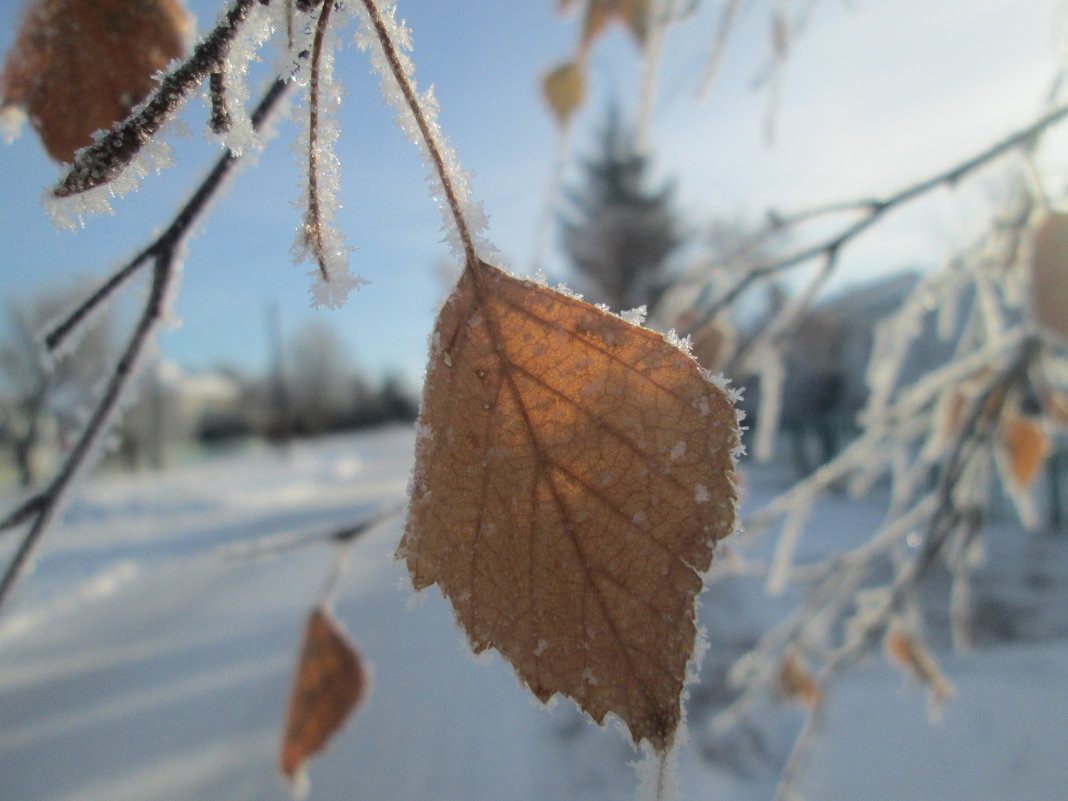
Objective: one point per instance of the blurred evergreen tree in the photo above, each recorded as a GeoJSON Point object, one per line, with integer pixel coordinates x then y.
{"type": "Point", "coordinates": [619, 231]}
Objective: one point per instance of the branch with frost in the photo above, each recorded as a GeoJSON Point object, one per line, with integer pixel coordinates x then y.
{"type": "Point", "coordinates": [266, 547]}
{"type": "Point", "coordinates": [106, 159]}
{"type": "Point", "coordinates": [163, 255]}
{"type": "Point", "coordinates": [847, 608]}
{"type": "Point", "coordinates": [872, 210]}
{"type": "Point", "coordinates": [841, 586]}
{"type": "Point", "coordinates": [944, 524]}
{"type": "Point", "coordinates": [388, 40]}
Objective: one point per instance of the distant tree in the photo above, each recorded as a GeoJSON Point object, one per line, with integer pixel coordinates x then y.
{"type": "Point", "coordinates": [35, 391]}
{"type": "Point", "coordinates": [397, 403]}
{"type": "Point", "coordinates": [319, 378]}
{"type": "Point", "coordinates": [620, 231]}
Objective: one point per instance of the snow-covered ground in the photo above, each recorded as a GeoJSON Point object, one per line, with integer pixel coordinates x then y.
{"type": "Point", "coordinates": [150, 654]}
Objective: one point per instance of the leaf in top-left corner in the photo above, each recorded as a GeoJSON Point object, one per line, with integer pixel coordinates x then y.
{"type": "Point", "coordinates": [79, 66]}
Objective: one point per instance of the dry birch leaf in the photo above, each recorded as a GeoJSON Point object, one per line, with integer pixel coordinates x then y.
{"type": "Point", "coordinates": [564, 89]}
{"type": "Point", "coordinates": [911, 654]}
{"type": "Point", "coordinates": [796, 682]}
{"type": "Point", "coordinates": [637, 15]}
{"type": "Point", "coordinates": [1049, 277]}
{"type": "Point", "coordinates": [330, 682]}
{"type": "Point", "coordinates": [598, 14]}
{"type": "Point", "coordinates": [633, 14]}
{"type": "Point", "coordinates": [573, 474]}
{"type": "Point", "coordinates": [1027, 446]}
{"type": "Point", "coordinates": [79, 66]}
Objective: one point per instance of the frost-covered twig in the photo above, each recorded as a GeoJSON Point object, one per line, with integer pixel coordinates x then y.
{"type": "Point", "coordinates": [105, 159]}
{"type": "Point", "coordinates": [719, 45]}
{"type": "Point", "coordinates": [934, 438]}
{"type": "Point", "coordinates": [942, 520]}
{"type": "Point", "coordinates": [873, 210]}
{"type": "Point", "coordinates": [163, 253]}
{"type": "Point", "coordinates": [314, 224]}
{"type": "Point", "coordinates": [276, 544]}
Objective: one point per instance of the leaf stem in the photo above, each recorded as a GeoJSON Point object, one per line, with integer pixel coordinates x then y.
{"type": "Point", "coordinates": [389, 49]}
{"type": "Point", "coordinates": [313, 225]}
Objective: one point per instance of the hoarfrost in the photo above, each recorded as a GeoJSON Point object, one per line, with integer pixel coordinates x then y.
{"type": "Point", "coordinates": [568, 292]}
{"type": "Point", "coordinates": [11, 121]}
{"type": "Point", "coordinates": [658, 774]}
{"type": "Point", "coordinates": [635, 316]}
{"type": "Point", "coordinates": [685, 344]}
{"type": "Point", "coordinates": [318, 237]}
{"type": "Point", "coordinates": [154, 157]}
{"type": "Point", "coordinates": [241, 137]}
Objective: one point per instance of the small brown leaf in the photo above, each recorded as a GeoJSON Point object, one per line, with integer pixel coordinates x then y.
{"type": "Point", "coordinates": [598, 14]}
{"type": "Point", "coordinates": [573, 474]}
{"type": "Point", "coordinates": [780, 37]}
{"type": "Point", "coordinates": [79, 66]}
{"type": "Point", "coordinates": [564, 89]}
{"type": "Point", "coordinates": [911, 654]}
{"type": "Point", "coordinates": [1027, 446]}
{"type": "Point", "coordinates": [796, 682]}
{"type": "Point", "coordinates": [1049, 275]}
{"type": "Point", "coordinates": [330, 682]}
{"type": "Point", "coordinates": [637, 16]}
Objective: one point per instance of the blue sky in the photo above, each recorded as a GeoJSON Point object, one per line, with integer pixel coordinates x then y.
{"type": "Point", "coordinates": [878, 94]}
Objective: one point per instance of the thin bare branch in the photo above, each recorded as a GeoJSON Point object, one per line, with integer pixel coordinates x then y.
{"type": "Point", "coordinates": [221, 121]}
{"type": "Point", "coordinates": [163, 253]}
{"type": "Point", "coordinates": [719, 46]}
{"type": "Point", "coordinates": [26, 511]}
{"type": "Point", "coordinates": [105, 159]}
{"type": "Point", "coordinates": [874, 209]}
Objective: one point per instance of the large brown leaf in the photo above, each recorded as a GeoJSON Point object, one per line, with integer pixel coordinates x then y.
{"type": "Point", "coordinates": [330, 682]}
{"type": "Point", "coordinates": [79, 66]}
{"type": "Point", "coordinates": [573, 475]}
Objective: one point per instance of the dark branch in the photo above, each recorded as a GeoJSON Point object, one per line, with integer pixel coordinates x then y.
{"type": "Point", "coordinates": [185, 218]}
{"type": "Point", "coordinates": [105, 159]}
{"type": "Point", "coordinates": [163, 254]}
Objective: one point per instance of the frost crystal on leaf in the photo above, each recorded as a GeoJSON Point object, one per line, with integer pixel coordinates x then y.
{"type": "Point", "coordinates": [635, 316]}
